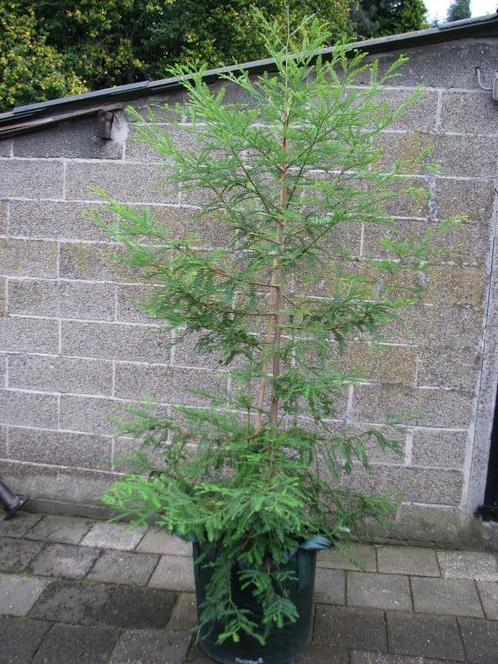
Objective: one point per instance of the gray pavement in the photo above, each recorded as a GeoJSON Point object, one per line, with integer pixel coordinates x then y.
{"type": "Point", "coordinates": [77, 591]}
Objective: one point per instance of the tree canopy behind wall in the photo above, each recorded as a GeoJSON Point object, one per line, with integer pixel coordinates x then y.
{"type": "Point", "coordinates": [374, 18]}
{"type": "Point", "coordinates": [458, 9]}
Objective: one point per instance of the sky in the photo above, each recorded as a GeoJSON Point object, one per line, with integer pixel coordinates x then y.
{"type": "Point", "coordinates": [439, 8]}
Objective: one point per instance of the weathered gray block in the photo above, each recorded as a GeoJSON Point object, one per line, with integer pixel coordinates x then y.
{"type": "Point", "coordinates": [480, 639]}
{"type": "Point", "coordinates": [93, 262]}
{"type": "Point", "coordinates": [405, 147]}
{"type": "Point", "coordinates": [469, 112]}
{"type": "Point", "coordinates": [419, 117]}
{"type": "Point", "coordinates": [66, 299]}
{"type": "Point", "coordinates": [429, 636]}
{"type": "Point", "coordinates": [167, 384]}
{"type": "Point", "coordinates": [157, 541]}
{"type": "Point", "coordinates": [441, 408]}
{"type": "Point", "coordinates": [152, 646]}
{"type": "Point", "coordinates": [32, 258]}
{"type": "Point", "coordinates": [473, 198]}
{"type": "Point", "coordinates": [447, 285]}
{"type": "Point", "coordinates": [60, 374]}
{"type": "Point", "coordinates": [15, 554]}
{"type": "Point", "coordinates": [456, 597]}
{"type": "Point", "coordinates": [3, 294]}
{"type": "Point", "coordinates": [3, 378]}
{"type": "Point", "coordinates": [115, 341]}
{"type": "Point", "coordinates": [184, 615]}
{"type": "Point", "coordinates": [341, 628]}
{"type": "Point", "coordinates": [140, 183]}
{"type": "Point", "coordinates": [137, 151]}
{"type": "Point", "coordinates": [488, 593]}
{"type": "Point", "coordinates": [407, 560]}
{"type": "Point", "coordinates": [72, 602]}
{"type": "Point", "coordinates": [75, 139]}
{"type": "Point", "coordinates": [29, 335]}
{"type": "Point", "coordinates": [54, 219]}
{"type": "Point", "coordinates": [59, 447]}
{"type": "Point", "coordinates": [3, 442]}
{"type": "Point", "coordinates": [19, 593]}
{"type": "Point", "coordinates": [173, 573]}
{"type": "Point", "coordinates": [91, 414]}
{"type": "Point", "coordinates": [134, 607]}
{"type": "Point", "coordinates": [63, 529]}
{"type": "Point", "coordinates": [474, 156]}
{"type": "Point", "coordinates": [6, 148]}
{"type": "Point", "coordinates": [28, 178]}
{"type": "Point", "coordinates": [457, 369]}
{"type": "Point", "coordinates": [380, 363]}
{"type": "Point", "coordinates": [357, 556]}
{"type": "Point", "coordinates": [66, 560]}
{"type": "Point", "coordinates": [183, 222]}
{"type": "Point", "coordinates": [28, 409]}
{"type": "Point", "coordinates": [186, 354]}
{"type": "Point", "coordinates": [113, 536]}
{"type": "Point", "coordinates": [443, 449]}
{"type": "Point", "coordinates": [19, 526]}
{"type": "Point", "coordinates": [21, 638]}
{"type": "Point", "coordinates": [130, 301]}
{"type": "Point", "coordinates": [429, 523]}
{"type": "Point", "coordinates": [379, 591]}
{"type": "Point", "coordinates": [75, 643]}
{"type": "Point", "coordinates": [468, 565]}
{"type": "Point", "coordinates": [124, 568]}
{"type": "Point", "coordinates": [330, 586]}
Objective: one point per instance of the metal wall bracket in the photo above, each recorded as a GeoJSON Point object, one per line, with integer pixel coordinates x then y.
{"type": "Point", "coordinates": [493, 89]}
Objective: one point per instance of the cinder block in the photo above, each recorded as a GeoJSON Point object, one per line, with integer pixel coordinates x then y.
{"type": "Point", "coordinates": [442, 449]}
{"type": "Point", "coordinates": [32, 335]}
{"type": "Point", "coordinates": [130, 301]}
{"type": "Point", "coordinates": [54, 219]}
{"type": "Point", "coordinates": [94, 262]}
{"type": "Point", "coordinates": [28, 409]}
{"type": "Point", "coordinates": [115, 341]}
{"type": "Point", "coordinates": [3, 442]}
{"type": "Point", "coordinates": [60, 374]}
{"type": "Point", "coordinates": [168, 384]}
{"type": "Point", "coordinates": [419, 117]}
{"type": "Point", "coordinates": [186, 354]}
{"type": "Point", "coordinates": [473, 198]}
{"type": "Point", "coordinates": [429, 407]}
{"type": "Point", "coordinates": [379, 362]}
{"type": "Point", "coordinates": [28, 178]}
{"type": "Point", "coordinates": [407, 204]}
{"type": "Point", "coordinates": [90, 414]}
{"type": "Point", "coordinates": [472, 156]}
{"type": "Point", "coordinates": [457, 369]}
{"type": "Point", "coordinates": [448, 284]}
{"type": "Point", "coordinates": [59, 448]}
{"type": "Point", "coordinates": [469, 112]}
{"type": "Point", "coordinates": [139, 183]}
{"type": "Point", "coordinates": [406, 147]}
{"type": "Point", "coordinates": [65, 299]}
{"type": "Point", "coordinates": [74, 139]}
{"type": "Point", "coordinates": [183, 222]}
{"type": "Point", "coordinates": [3, 218]}
{"type": "Point", "coordinates": [429, 523]}
{"type": "Point", "coordinates": [162, 107]}
{"type": "Point", "coordinates": [28, 258]}
{"type": "Point", "coordinates": [3, 293]}
{"type": "Point", "coordinates": [182, 137]}
{"type": "Point", "coordinates": [6, 147]}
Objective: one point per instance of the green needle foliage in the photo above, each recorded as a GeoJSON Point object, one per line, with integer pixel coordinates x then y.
{"type": "Point", "coordinates": [266, 465]}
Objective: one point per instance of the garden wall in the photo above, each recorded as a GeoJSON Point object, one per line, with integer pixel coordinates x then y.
{"type": "Point", "coordinates": [73, 349]}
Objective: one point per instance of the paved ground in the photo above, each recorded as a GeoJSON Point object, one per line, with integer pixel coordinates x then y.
{"type": "Point", "coordinates": [76, 591]}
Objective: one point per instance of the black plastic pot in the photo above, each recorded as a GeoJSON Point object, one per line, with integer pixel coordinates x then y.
{"type": "Point", "coordinates": [284, 645]}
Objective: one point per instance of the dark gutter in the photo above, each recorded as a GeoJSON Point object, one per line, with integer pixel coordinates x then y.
{"type": "Point", "coordinates": [30, 117]}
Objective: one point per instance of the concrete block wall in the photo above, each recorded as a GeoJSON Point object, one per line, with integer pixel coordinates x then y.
{"type": "Point", "coordinates": [74, 350]}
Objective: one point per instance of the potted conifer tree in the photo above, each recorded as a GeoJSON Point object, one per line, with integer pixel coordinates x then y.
{"type": "Point", "coordinates": [259, 475]}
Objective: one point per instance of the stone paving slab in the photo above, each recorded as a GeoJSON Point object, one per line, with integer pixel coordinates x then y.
{"type": "Point", "coordinates": [19, 639]}
{"type": "Point", "coordinates": [480, 639]}
{"type": "Point", "coordinates": [427, 636]}
{"type": "Point", "coordinates": [66, 560]}
{"type": "Point", "coordinates": [69, 601]}
{"type": "Point", "coordinates": [380, 591]}
{"type": "Point", "coordinates": [407, 560]}
{"type": "Point", "coordinates": [184, 614]}
{"type": "Point", "coordinates": [357, 556]}
{"type": "Point", "coordinates": [151, 647]}
{"type": "Point", "coordinates": [330, 586]}
{"type": "Point", "coordinates": [173, 573]}
{"type": "Point", "coordinates": [138, 608]}
{"type": "Point", "coordinates": [19, 593]}
{"type": "Point", "coordinates": [468, 565]}
{"type": "Point", "coordinates": [375, 658]}
{"type": "Point", "coordinates": [488, 593]}
{"type": "Point", "coordinates": [344, 628]}
{"type": "Point", "coordinates": [74, 644]}
{"type": "Point", "coordinates": [456, 597]}
{"type": "Point", "coordinates": [157, 541]}
{"type": "Point", "coordinates": [62, 529]}
{"type": "Point", "coordinates": [16, 554]}
{"type": "Point", "coordinates": [113, 536]}
{"type": "Point", "coordinates": [20, 525]}
{"type": "Point", "coordinates": [123, 567]}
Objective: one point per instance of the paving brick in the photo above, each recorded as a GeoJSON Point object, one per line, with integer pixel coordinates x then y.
{"type": "Point", "coordinates": [65, 560]}
{"type": "Point", "coordinates": [58, 528]}
{"type": "Point", "coordinates": [380, 591]}
{"type": "Point", "coordinates": [115, 341]}
{"type": "Point", "coordinates": [459, 107]}
{"type": "Point", "coordinates": [138, 608]}
{"type": "Point", "coordinates": [173, 573]}
{"type": "Point", "coordinates": [74, 139]}
{"type": "Point", "coordinates": [427, 636]}
{"type": "Point", "coordinates": [94, 262]}
{"type": "Point", "coordinates": [123, 567]}
{"type": "Point", "coordinates": [151, 646]}
{"type": "Point", "coordinates": [480, 640]}
{"type": "Point", "coordinates": [168, 384]}
{"type": "Point", "coordinates": [69, 601]}
{"type": "Point", "coordinates": [65, 299]}
{"type": "Point", "coordinates": [29, 409]}
{"type": "Point", "coordinates": [488, 593]}
{"type": "Point", "coordinates": [446, 596]}
{"type": "Point", "coordinates": [19, 639]}
{"type": "Point", "coordinates": [60, 374]}
{"type": "Point", "coordinates": [32, 258]}
{"type": "Point", "coordinates": [442, 449]}
{"type": "Point", "coordinates": [134, 183]}
{"type": "Point", "coordinates": [74, 644]}
{"type": "Point", "coordinates": [184, 615]}
{"type": "Point", "coordinates": [341, 629]}
{"type": "Point", "coordinates": [330, 586]}
{"type": "Point", "coordinates": [468, 565]}
{"type": "Point", "coordinates": [157, 541]}
{"type": "Point", "coordinates": [30, 178]}
{"type": "Point", "coordinates": [19, 593]}
{"type": "Point", "coordinates": [54, 219]}
{"type": "Point", "coordinates": [470, 197]}
{"type": "Point", "coordinates": [31, 335]}
{"type": "Point", "coordinates": [19, 526]}
{"type": "Point", "coordinates": [91, 414]}
{"type": "Point", "coordinates": [59, 447]}
{"type": "Point", "coordinates": [375, 658]}
{"type": "Point", "coordinates": [15, 554]}
{"type": "Point", "coordinates": [113, 536]}
{"type": "Point", "coordinates": [321, 655]}
{"type": "Point", "coordinates": [440, 408]}
{"type": "Point", "coordinates": [407, 560]}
